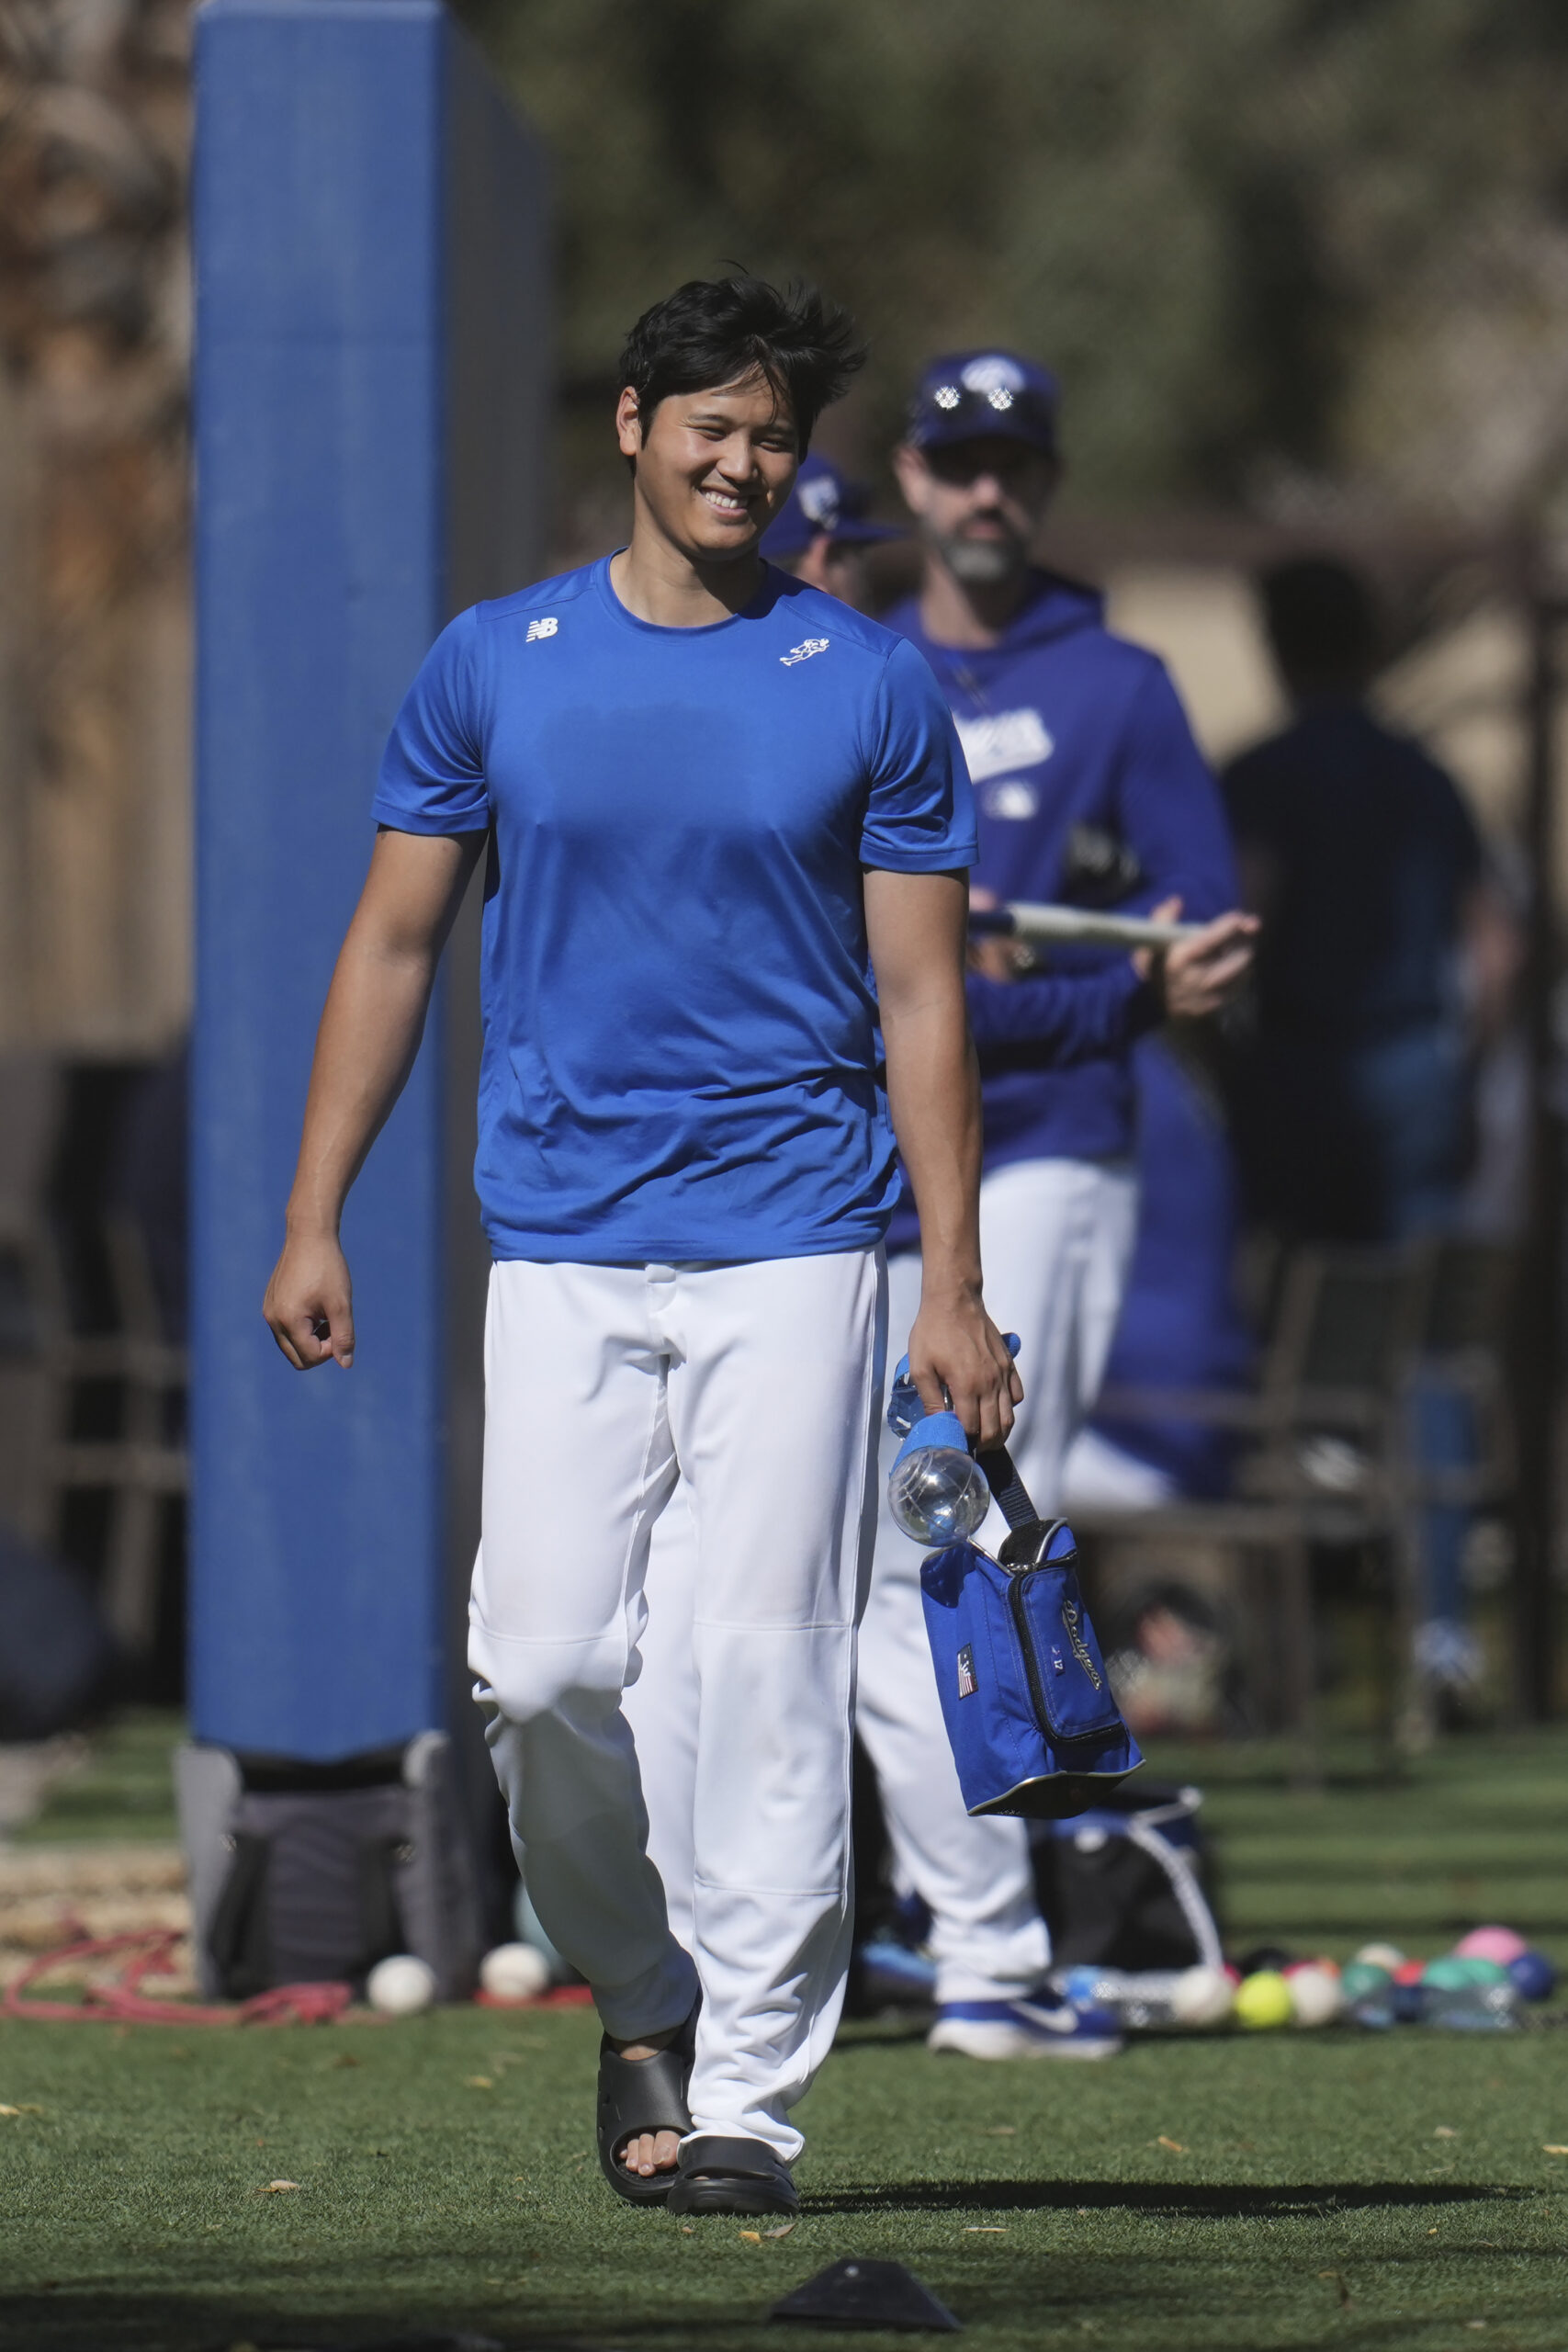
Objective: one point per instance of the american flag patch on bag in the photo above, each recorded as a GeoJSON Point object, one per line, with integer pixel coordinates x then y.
{"type": "Point", "coordinates": [967, 1686]}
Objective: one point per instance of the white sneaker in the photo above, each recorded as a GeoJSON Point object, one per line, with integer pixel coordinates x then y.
{"type": "Point", "coordinates": [1036, 2027]}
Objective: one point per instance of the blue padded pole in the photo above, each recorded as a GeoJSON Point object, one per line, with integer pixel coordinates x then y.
{"type": "Point", "coordinates": [370, 395]}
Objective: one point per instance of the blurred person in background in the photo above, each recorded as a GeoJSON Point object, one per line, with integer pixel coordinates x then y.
{"type": "Point", "coordinates": [1181, 1324]}
{"type": "Point", "coordinates": [1089, 786]}
{"type": "Point", "coordinates": [823, 533]}
{"type": "Point", "coordinates": [1386, 961]}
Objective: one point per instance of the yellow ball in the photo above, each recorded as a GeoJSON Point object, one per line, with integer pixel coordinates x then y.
{"type": "Point", "coordinates": [1263, 2000]}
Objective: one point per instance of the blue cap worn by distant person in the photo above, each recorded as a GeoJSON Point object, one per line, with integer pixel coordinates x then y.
{"type": "Point", "coordinates": [822, 502]}
{"type": "Point", "coordinates": [998, 394]}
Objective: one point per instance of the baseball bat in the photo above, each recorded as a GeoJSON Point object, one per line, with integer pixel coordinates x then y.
{"type": "Point", "coordinates": [1024, 920]}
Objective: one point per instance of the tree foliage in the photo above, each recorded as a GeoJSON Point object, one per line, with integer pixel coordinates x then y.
{"type": "Point", "coordinates": [1252, 235]}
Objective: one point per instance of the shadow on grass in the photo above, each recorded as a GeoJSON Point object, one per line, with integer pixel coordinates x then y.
{"type": "Point", "coordinates": [1172, 2201]}
{"type": "Point", "coordinates": [172, 2323]}
{"type": "Point", "coordinates": [1131, 2302]}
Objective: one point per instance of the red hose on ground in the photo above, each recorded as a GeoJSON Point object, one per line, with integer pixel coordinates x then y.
{"type": "Point", "coordinates": [149, 1953]}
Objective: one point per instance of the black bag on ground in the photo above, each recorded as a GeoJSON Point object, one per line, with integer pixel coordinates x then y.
{"type": "Point", "coordinates": [311, 1873]}
{"type": "Point", "coordinates": [1127, 1885]}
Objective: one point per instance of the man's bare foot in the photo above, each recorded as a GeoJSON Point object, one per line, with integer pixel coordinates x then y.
{"type": "Point", "coordinates": [652, 2152]}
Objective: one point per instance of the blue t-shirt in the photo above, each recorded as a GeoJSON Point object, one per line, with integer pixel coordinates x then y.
{"type": "Point", "coordinates": [682, 1057]}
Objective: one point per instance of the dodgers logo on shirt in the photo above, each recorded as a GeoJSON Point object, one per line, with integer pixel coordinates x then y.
{"type": "Point", "coordinates": [546, 627]}
{"type": "Point", "coordinates": [804, 651]}
{"type": "Point", "coordinates": [1000, 740]}
{"type": "Point", "coordinates": [1013, 798]}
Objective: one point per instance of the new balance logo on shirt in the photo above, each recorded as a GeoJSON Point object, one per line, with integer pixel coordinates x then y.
{"type": "Point", "coordinates": [804, 651]}
{"type": "Point", "coordinates": [546, 628]}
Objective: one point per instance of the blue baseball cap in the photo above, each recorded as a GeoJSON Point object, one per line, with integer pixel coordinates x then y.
{"type": "Point", "coordinates": [968, 395]}
{"type": "Point", "coordinates": [822, 502]}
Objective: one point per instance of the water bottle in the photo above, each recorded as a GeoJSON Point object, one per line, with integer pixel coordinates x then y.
{"type": "Point", "coordinates": [936, 1490]}
{"type": "Point", "coordinates": [1472, 2008]}
{"type": "Point", "coordinates": [1141, 1999]}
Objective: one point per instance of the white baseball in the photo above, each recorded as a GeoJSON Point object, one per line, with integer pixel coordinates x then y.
{"type": "Point", "coordinates": [514, 1973]}
{"type": "Point", "coordinates": [1315, 1996]}
{"type": "Point", "coordinates": [401, 1985]}
{"type": "Point", "coordinates": [1201, 1996]}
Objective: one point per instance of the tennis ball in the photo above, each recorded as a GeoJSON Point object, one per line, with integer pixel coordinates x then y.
{"type": "Point", "coordinates": [1263, 2000]}
{"type": "Point", "coordinates": [401, 1985]}
{"type": "Point", "coordinates": [1491, 1943]}
{"type": "Point", "coordinates": [1201, 1996]}
{"type": "Point", "coordinates": [1381, 1956]}
{"type": "Point", "coordinates": [1316, 1997]}
{"type": "Point", "coordinates": [514, 1973]}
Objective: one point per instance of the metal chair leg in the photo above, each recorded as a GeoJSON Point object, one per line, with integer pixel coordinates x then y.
{"type": "Point", "coordinates": [1299, 1664]}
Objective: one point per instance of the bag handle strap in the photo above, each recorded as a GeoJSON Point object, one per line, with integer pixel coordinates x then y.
{"type": "Point", "coordinates": [1029, 1536]}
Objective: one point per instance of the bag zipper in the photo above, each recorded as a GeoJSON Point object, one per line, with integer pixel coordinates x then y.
{"type": "Point", "coordinates": [1016, 1583]}
{"type": "Point", "coordinates": [1030, 1667]}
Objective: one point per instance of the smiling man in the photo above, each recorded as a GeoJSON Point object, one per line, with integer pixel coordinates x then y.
{"type": "Point", "coordinates": [716, 803]}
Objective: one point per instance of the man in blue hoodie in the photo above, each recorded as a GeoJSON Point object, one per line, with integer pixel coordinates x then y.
{"type": "Point", "coordinates": [1089, 789]}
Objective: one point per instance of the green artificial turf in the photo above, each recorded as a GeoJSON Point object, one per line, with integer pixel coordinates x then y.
{"type": "Point", "coordinates": [123, 1790]}
{"type": "Point", "coordinates": [1271, 2192]}
{"type": "Point", "coordinates": [1476, 1831]}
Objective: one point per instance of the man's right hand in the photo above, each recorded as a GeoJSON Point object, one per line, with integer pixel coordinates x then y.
{"type": "Point", "coordinates": [1203, 972]}
{"type": "Point", "coordinates": [309, 1302]}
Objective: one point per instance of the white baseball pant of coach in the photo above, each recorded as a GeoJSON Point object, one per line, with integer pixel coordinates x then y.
{"type": "Point", "coordinates": [1056, 1240]}
{"type": "Point", "coordinates": [759, 1386]}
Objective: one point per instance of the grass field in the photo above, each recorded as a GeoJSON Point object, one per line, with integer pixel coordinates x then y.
{"type": "Point", "coordinates": [1269, 2194]}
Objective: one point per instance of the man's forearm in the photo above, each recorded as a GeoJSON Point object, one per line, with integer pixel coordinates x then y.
{"type": "Point", "coordinates": [933, 1095]}
{"type": "Point", "coordinates": [364, 1050]}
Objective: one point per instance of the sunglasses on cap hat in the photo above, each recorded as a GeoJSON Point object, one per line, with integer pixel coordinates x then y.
{"type": "Point", "coordinates": [968, 395]}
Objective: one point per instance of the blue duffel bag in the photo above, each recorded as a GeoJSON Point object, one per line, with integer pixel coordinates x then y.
{"type": "Point", "coordinates": [1025, 1696]}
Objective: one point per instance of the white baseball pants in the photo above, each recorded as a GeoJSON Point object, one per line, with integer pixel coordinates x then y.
{"type": "Point", "coordinates": [1056, 1240]}
{"type": "Point", "coordinates": [759, 1388]}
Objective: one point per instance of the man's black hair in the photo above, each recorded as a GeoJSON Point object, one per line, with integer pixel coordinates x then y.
{"type": "Point", "coordinates": [1321, 620]}
{"type": "Point", "coordinates": [716, 331]}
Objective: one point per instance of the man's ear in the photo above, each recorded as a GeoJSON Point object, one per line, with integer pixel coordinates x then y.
{"type": "Point", "coordinates": [911, 473]}
{"type": "Point", "coordinates": [629, 424]}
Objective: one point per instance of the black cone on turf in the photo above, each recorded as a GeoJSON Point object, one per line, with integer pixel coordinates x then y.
{"type": "Point", "coordinates": [860, 2293]}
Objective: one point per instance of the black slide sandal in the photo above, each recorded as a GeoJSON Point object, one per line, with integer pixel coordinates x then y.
{"type": "Point", "coordinates": [638, 2095]}
{"type": "Point", "coordinates": [720, 2174]}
